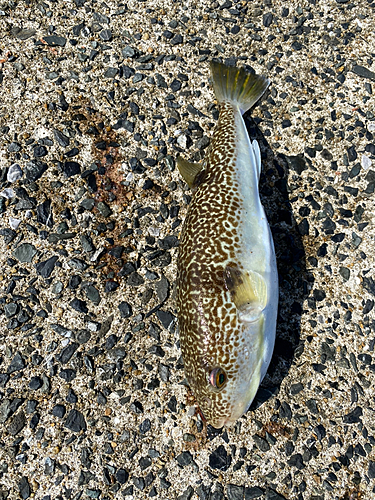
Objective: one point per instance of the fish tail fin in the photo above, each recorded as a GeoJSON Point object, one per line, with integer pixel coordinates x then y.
{"type": "Point", "coordinates": [236, 85]}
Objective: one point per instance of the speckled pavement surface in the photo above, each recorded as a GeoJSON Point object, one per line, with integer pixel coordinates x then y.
{"type": "Point", "coordinates": [97, 100]}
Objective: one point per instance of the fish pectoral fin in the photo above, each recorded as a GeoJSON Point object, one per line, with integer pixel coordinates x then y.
{"type": "Point", "coordinates": [188, 170]}
{"type": "Point", "coordinates": [249, 292]}
{"type": "Point", "coordinates": [250, 312]}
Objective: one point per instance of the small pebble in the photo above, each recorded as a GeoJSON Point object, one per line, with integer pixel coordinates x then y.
{"type": "Point", "coordinates": [14, 173]}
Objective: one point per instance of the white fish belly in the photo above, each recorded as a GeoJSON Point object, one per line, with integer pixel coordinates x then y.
{"type": "Point", "coordinates": [257, 252]}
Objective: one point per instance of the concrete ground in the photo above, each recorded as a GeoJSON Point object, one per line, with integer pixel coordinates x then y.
{"type": "Point", "coordinates": [97, 100]}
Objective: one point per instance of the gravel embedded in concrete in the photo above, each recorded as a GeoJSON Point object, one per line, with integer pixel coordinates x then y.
{"type": "Point", "coordinates": [98, 99]}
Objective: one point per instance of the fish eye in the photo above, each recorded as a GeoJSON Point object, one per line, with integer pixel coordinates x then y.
{"type": "Point", "coordinates": [218, 378]}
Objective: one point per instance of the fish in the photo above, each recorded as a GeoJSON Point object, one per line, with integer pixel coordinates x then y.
{"type": "Point", "coordinates": [227, 281]}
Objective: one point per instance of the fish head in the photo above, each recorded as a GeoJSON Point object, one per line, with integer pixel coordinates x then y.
{"type": "Point", "coordinates": [225, 378]}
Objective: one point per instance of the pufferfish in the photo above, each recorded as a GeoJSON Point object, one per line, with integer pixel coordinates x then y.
{"type": "Point", "coordinates": [227, 284]}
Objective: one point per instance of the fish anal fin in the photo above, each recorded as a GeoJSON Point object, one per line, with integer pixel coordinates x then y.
{"type": "Point", "coordinates": [248, 290]}
{"type": "Point", "coordinates": [188, 170]}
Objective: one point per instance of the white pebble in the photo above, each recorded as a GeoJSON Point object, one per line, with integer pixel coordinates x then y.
{"type": "Point", "coordinates": [14, 173]}
{"type": "Point", "coordinates": [154, 231]}
{"type": "Point", "coordinates": [8, 193]}
{"type": "Point", "coordinates": [14, 223]}
{"type": "Point", "coordinates": [365, 162]}
{"type": "Point", "coordinates": [182, 141]}
{"type": "Point", "coordinates": [371, 126]}
{"type": "Point", "coordinates": [96, 254]}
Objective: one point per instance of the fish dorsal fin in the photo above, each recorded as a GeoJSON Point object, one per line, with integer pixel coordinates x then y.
{"type": "Point", "coordinates": [188, 170]}
{"type": "Point", "coordinates": [249, 292]}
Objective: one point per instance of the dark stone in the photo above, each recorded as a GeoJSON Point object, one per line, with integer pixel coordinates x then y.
{"type": "Point", "coordinates": [74, 282]}
{"type": "Point", "coordinates": [175, 85]}
{"type": "Point", "coordinates": [67, 352]}
{"type": "Point", "coordinates": [369, 305]}
{"type": "Point", "coordinates": [14, 147]}
{"type": "Point", "coordinates": [78, 264]}
{"type": "Point", "coordinates": [35, 383]}
{"type": "Point", "coordinates": [329, 226]}
{"type": "Point", "coordinates": [371, 470]}
{"type": "Point", "coordinates": [39, 151]}
{"type": "Point", "coordinates": [345, 273]}
{"type": "Point", "coordinates": [4, 379]}
{"type": "Point", "coordinates": [177, 39]}
{"type": "Point", "coordinates": [326, 155]}
{"type": "Point", "coordinates": [17, 363]}
{"type": "Point", "coordinates": [86, 242]}
{"type": "Point", "coordinates": [354, 416]}
{"type": "Point", "coordinates": [11, 310]}
{"type": "Point", "coordinates": [139, 483]}
{"type": "Point", "coordinates": [296, 461]}
{"type": "Point", "coordinates": [110, 73]}
{"type": "Point", "coordinates": [61, 138]}
{"type": "Point", "coordinates": [253, 492]}
{"type": "Point", "coordinates": [24, 488]}
{"type": "Point", "coordinates": [104, 209]}
{"type": "Point", "coordinates": [166, 318]}
{"type": "Point", "coordinates": [168, 242]}
{"type": "Point", "coordinates": [71, 168]}
{"type": "Point", "coordinates": [167, 34]}
{"type": "Point", "coordinates": [79, 306]}
{"type": "Point", "coordinates": [296, 163]}
{"type": "Point", "coordinates": [17, 423]}
{"type": "Point", "coordinates": [111, 286]}
{"type": "Point", "coordinates": [34, 170]}
{"type": "Point", "coordinates": [75, 421]}
{"type": "Point", "coordinates": [303, 227]}
{"type": "Point", "coordinates": [296, 45]}
{"type": "Point", "coordinates": [352, 154]}
{"type": "Point", "coordinates": [8, 235]}
{"type": "Point", "coordinates": [125, 310]}
{"type": "Point", "coordinates": [135, 279]}
{"type": "Point", "coordinates": [184, 458]}
{"type": "Point", "coordinates": [187, 494]}
{"type": "Point", "coordinates": [368, 284]}
{"type": "Point", "coordinates": [83, 336]}
{"type": "Point", "coordinates": [136, 407]}
{"type": "Point", "coordinates": [67, 374]}
{"type": "Point", "coordinates": [58, 411]}
{"type": "Point", "coordinates": [319, 295]}
{"type": "Point", "coordinates": [23, 34]}
{"type": "Point", "coordinates": [25, 252]}
{"type": "Point", "coordinates": [364, 72]}
{"type": "Point", "coordinates": [71, 397]}
{"type": "Point", "coordinates": [126, 124]}
{"type": "Point", "coordinates": [122, 476]}
{"type": "Point", "coordinates": [144, 462]}
{"type": "Point", "coordinates": [261, 443]}
{"type": "Point", "coordinates": [46, 267]}
{"type": "Point", "coordinates": [219, 459]}
{"type": "Point", "coordinates": [285, 411]}
{"type": "Point", "coordinates": [92, 294]}
{"type": "Point", "coordinates": [267, 19]}
{"type": "Point", "coordinates": [55, 41]}
{"type": "Point", "coordinates": [273, 495]}
{"type": "Point", "coordinates": [106, 35]}
{"type": "Point", "coordinates": [145, 426]}
{"type": "Point", "coordinates": [296, 388]}
{"type": "Point", "coordinates": [172, 404]}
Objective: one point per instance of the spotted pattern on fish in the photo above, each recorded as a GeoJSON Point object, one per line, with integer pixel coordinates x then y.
{"type": "Point", "coordinates": [209, 328]}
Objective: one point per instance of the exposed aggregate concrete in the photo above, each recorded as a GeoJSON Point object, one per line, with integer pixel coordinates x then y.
{"type": "Point", "coordinates": [97, 100]}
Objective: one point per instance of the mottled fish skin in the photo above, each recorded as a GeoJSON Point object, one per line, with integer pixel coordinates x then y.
{"type": "Point", "coordinates": [225, 227]}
